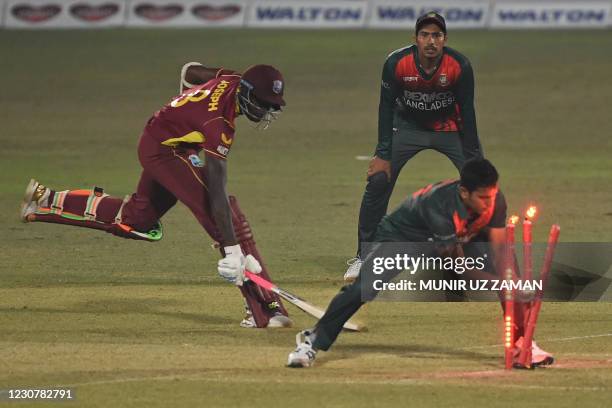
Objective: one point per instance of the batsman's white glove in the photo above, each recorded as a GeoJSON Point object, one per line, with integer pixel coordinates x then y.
{"type": "Point", "coordinates": [232, 267]}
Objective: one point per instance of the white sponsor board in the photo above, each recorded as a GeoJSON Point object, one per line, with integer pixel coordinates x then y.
{"type": "Point", "coordinates": [307, 14]}
{"type": "Point", "coordinates": [64, 14]}
{"type": "Point", "coordinates": [550, 14]}
{"type": "Point", "coordinates": [399, 14]}
{"type": "Point", "coordinates": [190, 13]}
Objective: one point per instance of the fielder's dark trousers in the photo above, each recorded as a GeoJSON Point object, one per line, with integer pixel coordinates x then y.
{"type": "Point", "coordinates": [346, 303]}
{"type": "Point", "coordinates": [351, 297]}
{"type": "Point", "coordinates": [408, 140]}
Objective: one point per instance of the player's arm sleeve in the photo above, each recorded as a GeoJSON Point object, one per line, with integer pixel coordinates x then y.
{"type": "Point", "coordinates": [218, 137]}
{"type": "Point", "coordinates": [465, 100]}
{"type": "Point", "coordinates": [194, 73]}
{"type": "Point", "coordinates": [388, 94]}
{"type": "Point", "coordinates": [498, 219]}
{"type": "Point", "coordinates": [441, 227]}
{"type": "Point", "coordinates": [219, 204]}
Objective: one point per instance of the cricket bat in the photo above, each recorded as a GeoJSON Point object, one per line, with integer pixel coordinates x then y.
{"type": "Point", "coordinates": [297, 301]}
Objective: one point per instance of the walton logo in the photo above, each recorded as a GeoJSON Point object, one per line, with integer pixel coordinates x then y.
{"type": "Point", "coordinates": [308, 13]}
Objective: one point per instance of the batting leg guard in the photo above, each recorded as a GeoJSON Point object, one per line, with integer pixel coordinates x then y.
{"type": "Point", "coordinates": [263, 303]}
{"type": "Point", "coordinates": [84, 206]}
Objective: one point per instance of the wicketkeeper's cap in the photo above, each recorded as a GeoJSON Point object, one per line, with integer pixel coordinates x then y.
{"type": "Point", "coordinates": [266, 83]}
{"type": "Point", "coordinates": [431, 18]}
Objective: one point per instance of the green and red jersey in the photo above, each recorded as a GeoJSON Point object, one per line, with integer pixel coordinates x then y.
{"type": "Point", "coordinates": [202, 116]}
{"type": "Point", "coordinates": [442, 101]}
{"type": "Point", "coordinates": [436, 212]}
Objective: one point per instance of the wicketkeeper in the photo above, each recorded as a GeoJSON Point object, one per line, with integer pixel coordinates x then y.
{"type": "Point", "coordinates": [200, 121]}
{"type": "Point", "coordinates": [449, 214]}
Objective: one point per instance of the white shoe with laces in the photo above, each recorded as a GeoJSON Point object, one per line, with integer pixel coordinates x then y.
{"type": "Point", "coordinates": [352, 272]}
{"type": "Point", "coordinates": [278, 321]}
{"type": "Point", "coordinates": [304, 355]}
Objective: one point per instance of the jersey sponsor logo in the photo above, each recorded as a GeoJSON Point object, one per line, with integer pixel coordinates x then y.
{"type": "Point", "coordinates": [87, 12]}
{"type": "Point", "coordinates": [223, 150]}
{"type": "Point", "coordinates": [195, 160]}
{"type": "Point", "coordinates": [33, 14]}
{"type": "Point", "coordinates": [226, 140]}
{"type": "Point", "coordinates": [213, 105]}
{"type": "Point", "coordinates": [433, 101]}
{"type": "Point", "coordinates": [410, 78]}
{"type": "Point", "coordinates": [386, 85]}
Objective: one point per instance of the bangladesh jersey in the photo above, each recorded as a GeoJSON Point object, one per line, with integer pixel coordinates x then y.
{"type": "Point", "coordinates": [202, 116]}
{"type": "Point", "coordinates": [437, 213]}
{"type": "Point", "coordinates": [442, 101]}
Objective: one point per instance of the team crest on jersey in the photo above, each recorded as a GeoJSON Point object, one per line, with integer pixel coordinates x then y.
{"type": "Point", "coordinates": [443, 80]}
{"type": "Point", "coordinates": [277, 86]}
{"type": "Point", "coordinates": [195, 160]}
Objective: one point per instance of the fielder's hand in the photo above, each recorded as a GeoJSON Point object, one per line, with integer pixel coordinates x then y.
{"type": "Point", "coordinates": [232, 267]}
{"type": "Point", "coordinates": [378, 165]}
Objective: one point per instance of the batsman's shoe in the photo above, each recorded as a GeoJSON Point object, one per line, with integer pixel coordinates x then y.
{"type": "Point", "coordinates": [539, 357]}
{"type": "Point", "coordinates": [36, 195]}
{"type": "Point", "coordinates": [353, 270]}
{"type": "Point", "coordinates": [304, 355]}
{"type": "Point", "coordinates": [279, 321]}
{"type": "Point", "coordinates": [249, 321]}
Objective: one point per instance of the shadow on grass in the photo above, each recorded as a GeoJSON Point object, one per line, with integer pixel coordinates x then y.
{"type": "Point", "coordinates": [127, 307]}
{"type": "Point", "coordinates": [420, 351]}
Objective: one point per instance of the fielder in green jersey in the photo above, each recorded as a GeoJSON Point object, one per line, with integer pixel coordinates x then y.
{"type": "Point", "coordinates": [449, 215]}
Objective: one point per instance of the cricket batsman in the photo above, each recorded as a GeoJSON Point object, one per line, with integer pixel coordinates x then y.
{"type": "Point", "coordinates": [450, 214]}
{"type": "Point", "coordinates": [183, 151]}
{"type": "Point", "coordinates": [426, 102]}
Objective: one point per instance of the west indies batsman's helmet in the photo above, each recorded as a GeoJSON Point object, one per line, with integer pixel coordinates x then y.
{"type": "Point", "coordinates": [261, 94]}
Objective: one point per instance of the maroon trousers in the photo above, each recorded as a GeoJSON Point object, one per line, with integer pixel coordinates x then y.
{"type": "Point", "coordinates": [170, 175]}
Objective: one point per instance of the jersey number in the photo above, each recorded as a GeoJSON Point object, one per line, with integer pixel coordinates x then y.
{"type": "Point", "coordinates": [195, 96]}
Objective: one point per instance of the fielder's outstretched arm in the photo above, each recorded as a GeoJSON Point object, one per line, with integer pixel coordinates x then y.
{"type": "Point", "coordinates": [217, 178]}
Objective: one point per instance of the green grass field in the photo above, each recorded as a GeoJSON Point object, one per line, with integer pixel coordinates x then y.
{"type": "Point", "coordinates": [128, 323]}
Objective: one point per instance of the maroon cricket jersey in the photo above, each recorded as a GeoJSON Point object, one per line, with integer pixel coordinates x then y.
{"type": "Point", "coordinates": [203, 115]}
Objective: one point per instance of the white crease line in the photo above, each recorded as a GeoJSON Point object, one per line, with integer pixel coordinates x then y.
{"type": "Point", "coordinates": [402, 381]}
{"type": "Point", "coordinates": [543, 340]}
